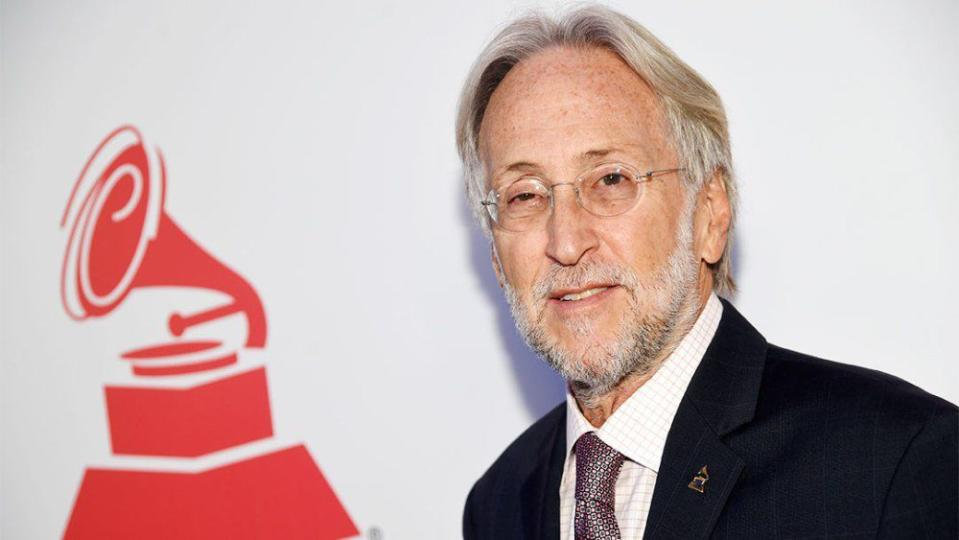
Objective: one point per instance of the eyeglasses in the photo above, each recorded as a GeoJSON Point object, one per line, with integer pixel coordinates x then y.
{"type": "Point", "coordinates": [608, 190]}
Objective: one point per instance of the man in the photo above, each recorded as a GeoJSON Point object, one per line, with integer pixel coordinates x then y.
{"type": "Point", "coordinates": [599, 164]}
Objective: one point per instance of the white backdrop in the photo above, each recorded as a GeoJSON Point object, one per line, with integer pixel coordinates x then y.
{"type": "Point", "coordinates": [391, 354]}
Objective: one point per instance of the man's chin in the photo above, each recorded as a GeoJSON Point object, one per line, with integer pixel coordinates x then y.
{"type": "Point", "coordinates": [587, 361]}
{"type": "Point", "coordinates": [588, 381]}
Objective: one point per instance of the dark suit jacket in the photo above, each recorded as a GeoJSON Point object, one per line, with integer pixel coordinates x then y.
{"type": "Point", "coordinates": [795, 447]}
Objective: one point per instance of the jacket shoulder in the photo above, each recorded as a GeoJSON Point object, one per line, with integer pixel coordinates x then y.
{"type": "Point", "coordinates": [845, 390]}
{"type": "Point", "coordinates": [493, 507]}
{"type": "Point", "coordinates": [846, 449]}
{"type": "Point", "coordinates": [845, 416]}
{"type": "Point", "coordinates": [524, 453]}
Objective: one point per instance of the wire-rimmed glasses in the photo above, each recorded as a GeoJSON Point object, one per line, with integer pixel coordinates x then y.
{"type": "Point", "coordinates": [607, 190]}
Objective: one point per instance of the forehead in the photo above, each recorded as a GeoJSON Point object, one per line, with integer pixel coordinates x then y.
{"type": "Point", "coordinates": [564, 102]}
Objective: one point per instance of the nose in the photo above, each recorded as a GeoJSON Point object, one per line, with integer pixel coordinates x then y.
{"type": "Point", "coordinates": [571, 235]}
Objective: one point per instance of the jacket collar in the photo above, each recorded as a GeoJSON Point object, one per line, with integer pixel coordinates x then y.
{"type": "Point", "coordinates": [725, 387]}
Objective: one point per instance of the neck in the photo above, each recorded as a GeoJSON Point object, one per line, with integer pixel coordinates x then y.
{"type": "Point", "coordinates": [598, 409]}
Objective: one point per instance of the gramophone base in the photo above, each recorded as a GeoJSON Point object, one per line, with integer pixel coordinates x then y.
{"type": "Point", "coordinates": [278, 495]}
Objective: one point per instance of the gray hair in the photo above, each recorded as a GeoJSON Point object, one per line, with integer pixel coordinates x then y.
{"type": "Point", "coordinates": [692, 108]}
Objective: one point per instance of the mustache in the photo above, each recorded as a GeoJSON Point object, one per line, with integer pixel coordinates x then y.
{"type": "Point", "coordinates": [584, 273]}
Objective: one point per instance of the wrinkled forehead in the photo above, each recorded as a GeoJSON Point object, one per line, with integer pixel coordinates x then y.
{"type": "Point", "coordinates": [561, 103]}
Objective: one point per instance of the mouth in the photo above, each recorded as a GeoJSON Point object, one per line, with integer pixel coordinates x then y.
{"type": "Point", "coordinates": [579, 294]}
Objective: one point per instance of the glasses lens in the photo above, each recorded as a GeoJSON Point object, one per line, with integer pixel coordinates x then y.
{"type": "Point", "coordinates": [610, 190]}
{"type": "Point", "coordinates": [522, 203]}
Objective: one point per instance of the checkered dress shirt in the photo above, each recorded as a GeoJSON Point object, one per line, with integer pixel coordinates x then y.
{"type": "Point", "coordinates": [638, 430]}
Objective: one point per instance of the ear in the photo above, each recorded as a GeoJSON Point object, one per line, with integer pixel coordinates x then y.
{"type": "Point", "coordinates": [497, 265]}
{"type": "Point", "coordinates": [715, 218]}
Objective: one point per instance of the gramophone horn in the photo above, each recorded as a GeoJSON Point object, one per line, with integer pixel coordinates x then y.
{"type": "Point", "coordinates": [121, 239]}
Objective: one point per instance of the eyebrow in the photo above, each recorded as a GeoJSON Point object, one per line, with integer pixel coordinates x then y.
{"type": "Point", "coordinates": [588, 155]}
{"type": "Point", "coordinates": [593, 154]}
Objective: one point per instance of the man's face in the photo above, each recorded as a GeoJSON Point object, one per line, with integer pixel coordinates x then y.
{"type": "Point", "coordinates": [559, 113]}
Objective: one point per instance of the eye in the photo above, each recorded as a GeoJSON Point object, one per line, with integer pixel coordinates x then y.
{"type": "Point", "coordinates": [612, 179]}
{"type": "Point", "coordinates": [526, 201]}
{"type": "Point", "coordinates": [525, 198]}
{"type": "Point", "coordinates": [522, 197]}
{"type": "Point", "coordinates": [610, 190]}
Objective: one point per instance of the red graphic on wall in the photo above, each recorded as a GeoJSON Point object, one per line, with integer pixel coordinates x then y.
{"type": "Point", "coordinates": [121, 239]}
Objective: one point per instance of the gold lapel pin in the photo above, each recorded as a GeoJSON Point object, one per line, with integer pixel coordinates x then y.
{"type": "Point", "coordinates": [698, 482]}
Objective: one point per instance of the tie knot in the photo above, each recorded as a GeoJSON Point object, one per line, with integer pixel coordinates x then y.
{"type": "Point", "coordinates": [597, 466]}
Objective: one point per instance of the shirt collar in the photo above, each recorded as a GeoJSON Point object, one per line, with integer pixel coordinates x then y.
{"type": "Point", "coordinates": [638, 428]}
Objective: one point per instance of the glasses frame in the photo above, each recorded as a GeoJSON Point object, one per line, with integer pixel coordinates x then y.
{"type": "Point", "coordinates": [491, 202]}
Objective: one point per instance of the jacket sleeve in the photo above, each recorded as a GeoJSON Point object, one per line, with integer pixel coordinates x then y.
{"type": "Point", "coordinates": [923, 498]}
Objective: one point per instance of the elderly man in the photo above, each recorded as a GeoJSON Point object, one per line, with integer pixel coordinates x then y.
{"type": "Point", "coordinates": [599, 164]}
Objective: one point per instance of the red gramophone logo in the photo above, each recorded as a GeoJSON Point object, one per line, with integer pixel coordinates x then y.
{"type": "Point", "coordinates": [122, 239]}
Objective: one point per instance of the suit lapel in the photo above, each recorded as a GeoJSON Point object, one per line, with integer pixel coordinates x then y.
{"type": "Point", "coordinates": [721, 397]}
{"type": "Point", "coordinates": [539, 494]}
{"type": "Point", "coordinates": [678, 511]}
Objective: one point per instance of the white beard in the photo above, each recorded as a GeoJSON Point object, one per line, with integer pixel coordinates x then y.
{"type": "Point", "coordinates": [595, 367]}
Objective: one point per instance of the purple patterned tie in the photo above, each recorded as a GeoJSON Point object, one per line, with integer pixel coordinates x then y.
{"type": "Point", "coordinates": [597, 466]}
